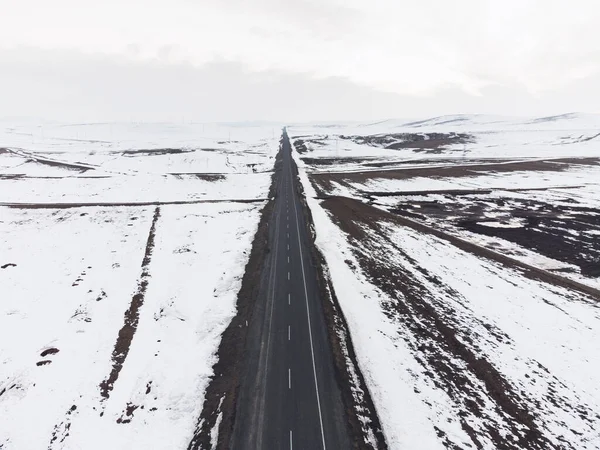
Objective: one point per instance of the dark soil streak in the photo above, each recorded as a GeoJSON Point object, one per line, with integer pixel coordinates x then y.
{"type": "Point", "coordinates": [155, 152]}
{"type": "Point", "coordinates": [49, 351]}
{"type": "Point", "coordinates": [5, 389]}
{"type": "Point", "coordinates": [457, 170]}
{"type": "Point", "coordinates": [61, 164]}
{"type": "Point", "coordinates": [201, 176]}
{"type": "Point", "coordinates": [132, 315]}
{"type": "Point", "coordinates": [458, 192]}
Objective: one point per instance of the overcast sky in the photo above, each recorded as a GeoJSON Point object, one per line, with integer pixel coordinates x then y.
{"type": "Point", "coordinates": [296, 60]}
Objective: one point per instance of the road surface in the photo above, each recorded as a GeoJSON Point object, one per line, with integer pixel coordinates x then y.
{"type": "Point", "coordinates": [289, 397]}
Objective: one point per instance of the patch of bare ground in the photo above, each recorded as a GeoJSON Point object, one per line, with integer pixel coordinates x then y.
{"type": "Point", "coordinates": [527, 270]}
{"type": "Point", "coordinates": [222, 391]}
{"type": "Point", "coordinates": [551, 235]}
{"type": "Point", "coordinates": [358, 404]}
{"type": "Point", "coordinates": [563, 231]}
{"type": "Point", "coordinates": [323, 181]}
{"type": "Point", "coordinates": [420, 142]}
{"type": "Point", "coordinates": [436, 161]}
{"type": "Point", "coordinates": [155, 152]}
{"type": "Point", "coordinates": [132, 315]}
{"type": "Point", "coordinates": [451, 171]}
{"type": "Point", "coordinates": [63, 165]}
{"type": "Point", "coordinates": [49, 351]}
{"type": "Point", "coordinates": [301, 144]}
{"type": "Point", "coordinates": [457, 192]}
{"type": "Point", "coordinates": [487, 404]}
{"type": "Point", "coordinates": [61, 431]}
{"type": "Point", "coordinates": [200, 176]}
{"type": "Point", "coordinates": [127, 415]}
{"type": "Point", "coordinates": [336, 161]}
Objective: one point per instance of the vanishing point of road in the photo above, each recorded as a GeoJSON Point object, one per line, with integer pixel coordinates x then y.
{"type": "Point", "coordinates": [289, 397]}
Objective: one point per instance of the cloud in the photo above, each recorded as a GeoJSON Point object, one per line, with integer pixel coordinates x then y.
{"type": "Point", "coordinates": [410, 47]}
{"type": "Point", "coordinates": [69, 85]}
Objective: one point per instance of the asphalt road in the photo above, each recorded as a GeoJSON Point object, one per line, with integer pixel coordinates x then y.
{"type": "Point", "coordinates": [289, 397]}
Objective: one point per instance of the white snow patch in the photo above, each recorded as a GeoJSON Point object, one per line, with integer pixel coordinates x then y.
{"type": "Point", "coordinates": [513, 222]}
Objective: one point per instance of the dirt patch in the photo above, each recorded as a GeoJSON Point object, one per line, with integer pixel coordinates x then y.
{"type": "Point", "coordinates": [222, 392]}
{"type": "Point", "coordinates": [423, 162]}
{"type": "Point", "coordinates": [132, 315]}
{"type": "Point", "coordinates": [127, 415]}
{"type": "Point", "coordinates": [419, 142]}
{"type": "Point", "coordinates": [201, 176]}
{"type": "Point", "coordinates": [562, 230]}
{"type": "Point", "coordinates": [558, 238]}
{"type": "Point", "coordinates": [49, 351]}
{"type": "Point", "coordinates": [155, 152]}
{"type": "Point", "coordinates": [450, 171]}
{"type": "Point", "coordinates": [303, 145]}
{"type": "Point", "coordinates": [335, 161]}
{"type": "Point", "coordinates": [61, 431]}
{"type": "Point", "coordinates": [527, 270]}
{"type": "Point", "coordinates": [63, 165]}
{"type": "Point", "coordinates": [457, 192]}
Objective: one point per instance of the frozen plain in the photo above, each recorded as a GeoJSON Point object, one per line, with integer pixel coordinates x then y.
{"type": "Point", "coordinates": [75, 265]}
{"type": "Point", "coordinates": [112, 305]}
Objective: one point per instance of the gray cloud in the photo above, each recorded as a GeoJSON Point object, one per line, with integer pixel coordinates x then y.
{"type": "Point", "coordinates": [69, 85]}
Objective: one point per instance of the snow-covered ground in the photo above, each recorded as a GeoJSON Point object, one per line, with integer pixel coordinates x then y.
{"type": "Point", "coordinates": [491, 137]}
{"type": "Point", "coordinates": [135, 163]}
{"type": "Point", "coordinates": [111, 315]}
{"type": "Point", "coordinates": [69, 138]}
{"type": "Point", "coordinates": [459, 351]}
